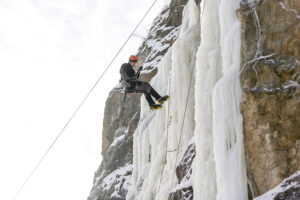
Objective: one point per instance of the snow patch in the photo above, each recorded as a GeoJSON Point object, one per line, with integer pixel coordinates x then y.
{"type": "Point", "coordinates": [117, 140]}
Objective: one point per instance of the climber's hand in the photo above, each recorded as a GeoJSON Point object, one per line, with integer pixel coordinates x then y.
{"type": "Point", "coordinates": [140, 68]}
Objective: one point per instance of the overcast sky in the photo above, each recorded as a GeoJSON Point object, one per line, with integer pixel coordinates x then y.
{"type": "Point", "coordinates": [51, 54]}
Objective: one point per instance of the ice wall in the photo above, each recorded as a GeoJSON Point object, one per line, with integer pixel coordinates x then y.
{"type": "Point", "coordinates": [219, 165]}
{"type": "Point", "coordinates": [152, 139]}
{"type": "Point", "coordinates": [213, 111]}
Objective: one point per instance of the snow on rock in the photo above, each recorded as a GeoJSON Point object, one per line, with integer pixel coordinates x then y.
{"type": "Point", "coordinates": [158, 41]}
{"type": "Point", "coordinates": [120, 178]}
{"type": "Point", "coordinates": [117, 140]}
{"type": "Point", "coordinates": [288, 189]}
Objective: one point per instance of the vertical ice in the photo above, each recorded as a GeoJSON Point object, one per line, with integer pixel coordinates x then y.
{"type": "Point", "coordinates": [150, 138]}
{"type": "Point", "coordinates": [227, 119]}
{"type": "Point", "coordinates": [219, 165]}
{"type": "Point", "coordinates": [207, 73]}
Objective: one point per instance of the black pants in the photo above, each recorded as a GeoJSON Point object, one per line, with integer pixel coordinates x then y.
{"type": "Point", "coordinates": [146, 89]}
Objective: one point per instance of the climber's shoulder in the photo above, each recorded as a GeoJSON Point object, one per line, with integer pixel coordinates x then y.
{"type": "Point", "coordinates": [125, 65]}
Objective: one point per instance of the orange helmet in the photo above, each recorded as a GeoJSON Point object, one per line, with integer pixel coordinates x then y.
{"type": "Point", "coordinates": [133, 58]}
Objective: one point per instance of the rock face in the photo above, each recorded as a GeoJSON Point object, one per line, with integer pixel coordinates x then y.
{"type": "Point", "coordinates": [120, 121]}
{"type": "Point", "coordinates": [270, 80]}
{"type": "Point", "coordinates": [112, 179]}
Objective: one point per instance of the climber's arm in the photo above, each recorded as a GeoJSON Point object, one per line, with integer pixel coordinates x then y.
{"type": "Point", "coordinates": [139, 72]}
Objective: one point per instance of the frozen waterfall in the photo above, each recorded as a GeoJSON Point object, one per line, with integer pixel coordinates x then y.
{"type": "Point", "coordinates": [212, 120]}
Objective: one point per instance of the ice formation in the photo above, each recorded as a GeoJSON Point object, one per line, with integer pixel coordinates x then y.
{"type": "Point", "coordinates": [212, 116]}
{"type": "Point", "coordinates": [218, 134]}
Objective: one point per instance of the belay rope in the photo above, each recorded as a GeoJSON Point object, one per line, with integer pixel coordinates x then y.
{"type": "Point", "coordinates": [183, 120]}
{"type": "Point", "coordinates": [169, 120]}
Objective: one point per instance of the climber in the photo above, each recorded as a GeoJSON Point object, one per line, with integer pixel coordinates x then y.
{"type": "Point", "coordinates": [129, 80]}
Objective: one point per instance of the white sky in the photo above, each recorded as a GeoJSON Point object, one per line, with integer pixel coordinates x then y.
{"type": "Point", "coordinates": [51, 53]}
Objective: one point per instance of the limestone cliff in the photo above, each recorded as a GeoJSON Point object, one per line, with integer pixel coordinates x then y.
{"type": "Point", "coordinates": [270, 81]}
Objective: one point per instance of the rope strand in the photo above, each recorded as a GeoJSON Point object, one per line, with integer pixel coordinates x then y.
{"type": "Point", "coordinates": [183, 115]}
{"type": "Point", "coordinates": [81, 103]}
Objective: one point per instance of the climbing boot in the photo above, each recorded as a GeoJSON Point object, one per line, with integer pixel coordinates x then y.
{"type": "Point", "coordinates": [155, 106]}
{"type": "Point", "coordinates": [161, 100]}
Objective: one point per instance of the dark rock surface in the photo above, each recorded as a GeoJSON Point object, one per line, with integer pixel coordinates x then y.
{"type": "Point", "coordinates": [119, 124]}
{"type": "Point", "coordinates": [184, 173]}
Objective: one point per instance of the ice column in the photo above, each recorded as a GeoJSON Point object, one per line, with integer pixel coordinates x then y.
{"type": "Point", "coordinates": [227, 119]}
{"type": "Point", "coordinates": [219, 165]}
{"type": "Point", "coordinates": [207, 74]}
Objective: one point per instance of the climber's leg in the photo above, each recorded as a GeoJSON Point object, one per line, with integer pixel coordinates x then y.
{"type": "Point", "coordinates": [147, 90]}
{"type": "Point", "coordinates": [144, 86]}
{"type": "Point", "coordinates": [149, 98]}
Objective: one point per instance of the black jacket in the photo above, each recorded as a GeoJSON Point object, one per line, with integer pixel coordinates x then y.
{"type": "Point", "coordinates": [127, 72]}
{"type": "Point", "coordinates": [128, 76]}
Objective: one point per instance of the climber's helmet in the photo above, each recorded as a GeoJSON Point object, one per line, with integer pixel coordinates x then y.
{"type": "Point", "coordinates": [133, 59]}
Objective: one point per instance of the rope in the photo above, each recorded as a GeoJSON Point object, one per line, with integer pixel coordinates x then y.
{"type": "Point", "coordinates": [168, 124]}
{"type": "Point", "coordinates": [183, 120]}
{"type": "Point", "coordinates": [183, 116]}
{"type": "Point", "coordinates": [187, 99]}
{"type": "Point", "coordinates": [82, 102]}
